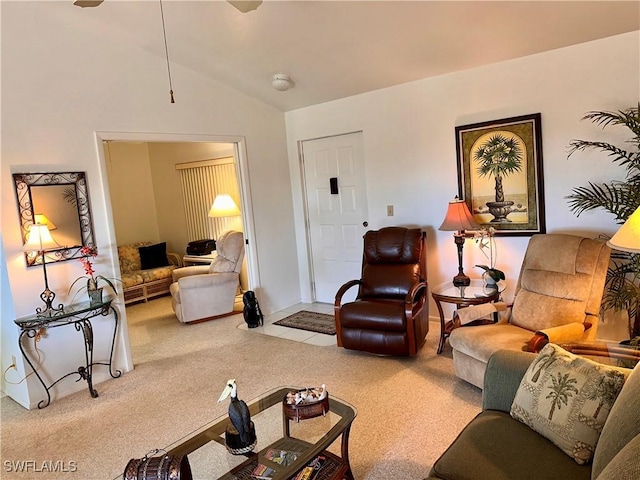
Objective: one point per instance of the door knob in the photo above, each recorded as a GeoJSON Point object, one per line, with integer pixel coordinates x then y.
{"type": "Point", "coordinates": [365, 224]}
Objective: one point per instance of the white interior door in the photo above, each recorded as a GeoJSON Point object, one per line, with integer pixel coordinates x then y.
{"type": "Point", "coordinates": [337, 219]}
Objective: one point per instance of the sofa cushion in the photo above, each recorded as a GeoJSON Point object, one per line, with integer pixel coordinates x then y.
{"type": "Point", "coordinates": [567, 398]}
{"type": "Point", "coordinates": [230, 248]}
{"type": "Point", "coordinates": [131, 279]}
{"type": "Point", "coordinates": [156, 273]}
{"type": "Point", "coordinates": [625, 465]}
{"type": "Point", "coordinates": [556, 284]}
{"type": "Point", "coordinates": [622, 425]}
{"type": "Point", "coordinates": [153, 256]}
{"type": "Point", "coordinates": [129, 257]}
{"type": "Point", "coordinates": [488, 440]}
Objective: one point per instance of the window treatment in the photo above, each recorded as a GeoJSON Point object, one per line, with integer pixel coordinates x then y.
{"type": "Point", "coordinates": [201, 182]}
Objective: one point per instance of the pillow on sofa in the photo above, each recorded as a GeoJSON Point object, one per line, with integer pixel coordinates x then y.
{"type": "Point", "coordinates": [153, 256]}
{"type": "Point", "coordinates": [567, 398]}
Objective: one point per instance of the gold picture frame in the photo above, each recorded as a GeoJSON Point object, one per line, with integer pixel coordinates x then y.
{"type": "Point", "coordinates": [500, 174]}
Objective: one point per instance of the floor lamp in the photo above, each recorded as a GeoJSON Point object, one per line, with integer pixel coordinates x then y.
{"type": "Point", "coordinates": [627, 239]}
{"type": "Point", "coordinates": [459, 219]}
{"type": "Point", "coordinates": [224, 206]}
{"type": "Point", "coordinates": [39, 240]}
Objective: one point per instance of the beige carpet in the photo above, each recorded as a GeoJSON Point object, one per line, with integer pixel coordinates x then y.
{"type": "Point", "coordinates": [409, 410]}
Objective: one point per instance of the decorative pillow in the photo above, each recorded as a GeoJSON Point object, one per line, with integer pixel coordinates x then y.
{"type": "Point", "coordinates": [153, 256]}
{"type": "Point", "coordinates": [567, 398]}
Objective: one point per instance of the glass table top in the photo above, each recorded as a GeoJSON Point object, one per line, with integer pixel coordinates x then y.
{"type": "Point", "coordinates": [477, 289]}
{"type": "Point", "coordinates": [208, 456]}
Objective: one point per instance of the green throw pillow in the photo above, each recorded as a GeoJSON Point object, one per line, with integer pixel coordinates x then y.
{"type": "Point", "coordinates": [567, 398]}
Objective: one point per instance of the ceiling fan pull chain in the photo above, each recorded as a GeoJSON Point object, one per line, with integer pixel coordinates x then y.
{"type": "Point", "coordinates": [166, 51]}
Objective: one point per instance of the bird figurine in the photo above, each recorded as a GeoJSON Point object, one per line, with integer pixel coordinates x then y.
{"type": "Point", "coordinates": [240, 436]}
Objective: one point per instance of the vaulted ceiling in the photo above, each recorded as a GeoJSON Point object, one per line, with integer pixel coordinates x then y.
{"type": "Point", "coordinates": [335, 49]}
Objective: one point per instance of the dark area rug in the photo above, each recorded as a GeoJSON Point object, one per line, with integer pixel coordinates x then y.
{"type": "Point", "coordinates": [311, 321]}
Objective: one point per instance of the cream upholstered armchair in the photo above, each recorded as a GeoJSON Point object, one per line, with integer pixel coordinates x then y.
{"type": "Point", "coordinates": [557, 299]}
{"type": "Point", "coordinates": [202, 292]}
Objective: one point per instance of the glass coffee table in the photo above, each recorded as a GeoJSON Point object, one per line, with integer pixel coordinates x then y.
{"type": "Point", "coordinates": [308, 439]}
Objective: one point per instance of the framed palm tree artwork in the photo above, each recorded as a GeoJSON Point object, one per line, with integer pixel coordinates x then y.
{"type": "Point", "coordinates": [500, 174]}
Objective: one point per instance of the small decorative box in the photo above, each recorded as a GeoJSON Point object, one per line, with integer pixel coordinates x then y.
{"type": "Point", "coordinates": [305, 409]}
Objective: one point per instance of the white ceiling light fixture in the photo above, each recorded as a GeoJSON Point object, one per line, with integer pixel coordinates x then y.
{"type": "Point", "coordinates": [245, 6]}
{"type": "Point", "coordinates": [87, 3]}
{"type": "Point", "coordinates": [281, 82]}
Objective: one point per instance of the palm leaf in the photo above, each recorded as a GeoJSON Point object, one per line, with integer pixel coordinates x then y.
{"type": "Point", "coordinates": [620, 198]}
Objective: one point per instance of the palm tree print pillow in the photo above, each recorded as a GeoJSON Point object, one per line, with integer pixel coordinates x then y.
{"type": "Point", "coordinates": [567, 398]}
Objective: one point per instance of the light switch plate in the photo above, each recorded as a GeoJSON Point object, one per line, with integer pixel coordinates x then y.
{"type": "Point", "coordinates": [389, 210]}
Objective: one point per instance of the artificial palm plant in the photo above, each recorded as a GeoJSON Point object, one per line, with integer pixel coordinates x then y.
{"type": "Point", "coordinates": [620, 198]}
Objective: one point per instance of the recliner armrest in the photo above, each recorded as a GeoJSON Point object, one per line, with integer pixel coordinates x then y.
{"type": "Point", "coordinates": [343, 289]}
{"type": "Point", "coordinates": [179, 273]}
{"type": "Point", "coordinates": [571, 332]}
{"type": "Point", "coordinates": [502, 377]}
{"type": "Point", "coordinates": [208, 280]}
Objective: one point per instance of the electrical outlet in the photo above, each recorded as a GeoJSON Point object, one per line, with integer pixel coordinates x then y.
{"type": "Point", "coordinates": [389, 210]}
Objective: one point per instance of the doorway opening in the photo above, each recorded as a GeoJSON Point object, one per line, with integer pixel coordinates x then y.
{"type": "Point", "coordinates": [145, 193]}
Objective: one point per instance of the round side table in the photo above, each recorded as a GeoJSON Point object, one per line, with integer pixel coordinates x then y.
{"type": "Point", "coordinates": [474, 294]}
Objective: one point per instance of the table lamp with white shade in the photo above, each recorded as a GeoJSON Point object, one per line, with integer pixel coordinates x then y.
{"type": "Point", "coordinates": [39, 240]}
{"type": "Point", "coordinates": [627, 239]}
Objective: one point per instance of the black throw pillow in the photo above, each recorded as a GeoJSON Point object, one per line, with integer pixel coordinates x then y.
{"type": "Point", "coordinates": [153, 256]}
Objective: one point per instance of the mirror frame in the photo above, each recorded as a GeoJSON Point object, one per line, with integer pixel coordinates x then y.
{"type": "Point", "coordinates": [23, 183]}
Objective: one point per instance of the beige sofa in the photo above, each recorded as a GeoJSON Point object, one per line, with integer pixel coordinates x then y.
{"type": "Point", "coordinates": [140, 284]}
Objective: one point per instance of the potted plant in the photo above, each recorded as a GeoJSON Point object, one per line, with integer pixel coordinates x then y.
{"type": "Point", "coordinates": [94, 290]}
{"type": "Point", "coordinates": [492, 275]}
{"type": "Point", "coordinates": [486, 242]}
{"type": "Point", "coordinates": [499, 157]}
{"type": "Point", "coordinates": [620, 198]}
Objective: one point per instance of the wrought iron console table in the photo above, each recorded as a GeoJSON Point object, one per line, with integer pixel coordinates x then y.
{"type": "Point", "coordinates": [79, 315]}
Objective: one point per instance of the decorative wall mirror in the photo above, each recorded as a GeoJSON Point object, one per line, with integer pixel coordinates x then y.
{"type": "Point", "coordinates": [63, 201]}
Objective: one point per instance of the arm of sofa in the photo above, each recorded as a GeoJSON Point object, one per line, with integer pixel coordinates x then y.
{"type": "Point", "coordinates": [174, 259]}
{"type": "Point", "coordinates": [502, 377]}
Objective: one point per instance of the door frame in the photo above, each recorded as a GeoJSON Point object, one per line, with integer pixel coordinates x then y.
{"type": "Point", "coordinates": [305, 205]}
{"type": "Point", "coordinates": [240, 153]}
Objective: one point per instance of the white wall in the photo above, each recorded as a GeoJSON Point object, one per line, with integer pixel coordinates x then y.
{"type": "Point", "coordinates": [135, 217]}
{"type": "Point", "coordinates": [410, 152]}
{"type": "Point", "coordinates": [168, 188]}
{"type": "Point", "coordinates": [61, 85]}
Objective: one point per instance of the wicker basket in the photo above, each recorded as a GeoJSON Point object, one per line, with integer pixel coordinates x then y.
{"type": "Point", "coordinates": [305, 410]}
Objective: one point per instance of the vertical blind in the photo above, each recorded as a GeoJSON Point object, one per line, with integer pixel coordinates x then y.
{"type": "Point", "coordinates": [201, 182]}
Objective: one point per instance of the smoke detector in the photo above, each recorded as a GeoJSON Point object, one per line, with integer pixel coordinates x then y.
{"type": "Point", "coordinates": [281, 82]}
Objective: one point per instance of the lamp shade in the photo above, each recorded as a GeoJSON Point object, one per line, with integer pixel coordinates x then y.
{"type": "Point", "coordinates": [224, 206]}
{"type": "Point", "coordinates": [627, 238]}
{"type": "Point", "coordinates": [458, 217]}
{"type": "Point", "coordinates": [39, 239]}
{"type": "Point", "coordinates": [44, 220]}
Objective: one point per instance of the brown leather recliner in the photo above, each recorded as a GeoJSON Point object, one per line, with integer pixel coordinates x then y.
{"type": "Point", "coordinates": [390, 315]}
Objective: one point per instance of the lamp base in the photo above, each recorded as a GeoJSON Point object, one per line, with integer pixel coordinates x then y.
{"type": "Point", "coordinates": [49, 311]}
{"type": "Point", "coordinates": [461, 280]}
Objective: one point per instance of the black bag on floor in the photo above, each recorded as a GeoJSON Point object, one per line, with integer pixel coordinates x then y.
{"type": "Point", "coordinates": [251, 311]}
